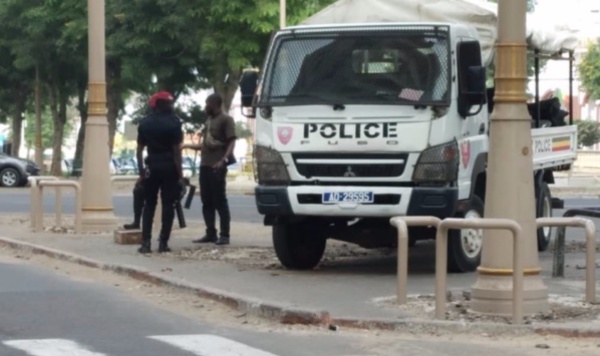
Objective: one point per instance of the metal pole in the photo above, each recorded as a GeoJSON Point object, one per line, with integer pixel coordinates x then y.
{"type": "Point", "coordinates": [590, 248]}
{"type": "Point", "coordinates": [509, 195]}
{"type": "Point", "coordinates": [558, 263]}
{"type": "Point", "coordinates": [97, 210]}
{"type": "Point", "coordinates": [442, 261]}
{"type": "Point", "coordinates": [537, 89]}
{"type": "Point", "coordinates": [282, 13]}
{"type": "Point", "coordinates": [571, 60]}
{"type": "Point", "coordinates": [402, 223]}
{"type": "Point", "coordinates": [58, 207]}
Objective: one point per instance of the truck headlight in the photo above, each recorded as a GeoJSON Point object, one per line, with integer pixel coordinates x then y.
{"type": "Point", "coordinates": [270, 167]}
{"type": "Point", "coordinates": [438, 164]}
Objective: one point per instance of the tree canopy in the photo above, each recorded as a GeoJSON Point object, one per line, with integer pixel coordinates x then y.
{"type": "Point", "coordinates": [589, 70]}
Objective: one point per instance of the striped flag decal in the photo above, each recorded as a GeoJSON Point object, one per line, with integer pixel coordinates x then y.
{"type": "Point", "coordinates": [561, 144]}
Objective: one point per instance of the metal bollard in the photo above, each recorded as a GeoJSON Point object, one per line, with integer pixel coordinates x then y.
{"type": "Point", "coordinates": [441, 260]}
{"type": "Point", "coordinates": [590, 247]}
{"type": "Point", "coordinates": [33, 197]}
{"type": "Point", "coordinates": [402, 223]}
{"type": "Point", "coordinates": [58, 184]}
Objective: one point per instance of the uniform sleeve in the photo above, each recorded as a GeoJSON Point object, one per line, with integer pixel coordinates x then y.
{"type": "Point", "coordinates": [142, 140]}
{"type": "Point", "coordinates": [229, 129]}
{"type": "Point", "coordinates": [178, 133]}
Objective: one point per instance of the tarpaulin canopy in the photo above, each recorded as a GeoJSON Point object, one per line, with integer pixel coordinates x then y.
{"type": "Point", "coordinates": [542, 35]}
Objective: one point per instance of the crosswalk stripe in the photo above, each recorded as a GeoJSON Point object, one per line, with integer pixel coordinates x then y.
{"type": "Point", "coordinates": [51, 347]}
{"type": "Point", "coordinates": [210, 345]}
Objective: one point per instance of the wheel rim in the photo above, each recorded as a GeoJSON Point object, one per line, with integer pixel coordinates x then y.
{"type": "Point", "coordinates": [471, 239]}
{"type": "Point", "coordinates": [547, 213]}
{"type": "Point", "coordinates": [9, 178]}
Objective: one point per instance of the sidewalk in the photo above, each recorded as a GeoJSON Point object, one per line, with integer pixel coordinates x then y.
{"type": "Point", "coordinates": [352, 287]}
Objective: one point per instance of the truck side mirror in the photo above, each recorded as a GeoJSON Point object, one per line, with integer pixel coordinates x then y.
{"type": "Point", "coordinates": [475, 90]}
{"type": "Point", "coordinates": [248, 85]}
{"type": "Point", "coordinates": [471, 78]}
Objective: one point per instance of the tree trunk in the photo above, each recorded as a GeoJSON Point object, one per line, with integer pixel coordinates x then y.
{"type": "Point", "coordinates": [229, 89]}
{"type": "Point", "coordinates": [17, 124]}
{"type": "Point", "coordinates": [39, 150]}
{"type": "Point", "coordinates": [58, 107]}
{"type": "Point", "coordinates": [83, 114]}
{"type": "Point", "coordinates": [114, 99]}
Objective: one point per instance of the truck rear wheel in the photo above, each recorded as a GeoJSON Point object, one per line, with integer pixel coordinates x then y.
{"type": "Point", "coordinates": [296, 248]}
{"type": "Point", "coordinates": [464, 246]}
{"type": "Point", "coordinates": [544, 210]}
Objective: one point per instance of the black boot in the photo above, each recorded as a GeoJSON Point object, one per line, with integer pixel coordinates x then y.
{"type": "Point", "coordinates": [163, 246]}
{"type": "Point", "coordinates": [132, 226]}
{"type": "Point", "coordinates": [223, 240]}
{"type": "Point", "coordinates": [145, 248]}
{"type": "Point", "coordinates": [206, 239]}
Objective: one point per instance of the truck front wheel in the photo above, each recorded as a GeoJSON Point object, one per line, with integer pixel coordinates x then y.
{"type": "Point", "coordinates": [296, 248]}
{"type": "Point", "coordinates": [464, 246]}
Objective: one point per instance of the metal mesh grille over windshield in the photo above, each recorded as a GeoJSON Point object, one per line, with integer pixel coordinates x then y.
{"type": "Point", "coordinates": [395, 65]}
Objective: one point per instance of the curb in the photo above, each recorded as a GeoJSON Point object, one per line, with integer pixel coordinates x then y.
{"type": "Point", "coordinates": [288, 315]}
{"type": "Point", "coordinates": [575, 192]}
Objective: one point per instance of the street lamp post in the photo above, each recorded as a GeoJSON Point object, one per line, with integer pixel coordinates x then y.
{"type": "Point", "coordinates": [282, 13]}
{"type": "Point", "coordinates": [97, 211]}
{"type": "Point", "coordinates": [510, 192]}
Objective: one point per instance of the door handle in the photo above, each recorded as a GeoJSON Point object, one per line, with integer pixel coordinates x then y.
{"type": "Point", "coordinates": [482, 129]}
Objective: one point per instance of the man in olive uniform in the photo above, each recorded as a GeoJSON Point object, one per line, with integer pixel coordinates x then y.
{"type": "Point", "coordinates": [218, 142]}
{"type": "Point", "coordinates": [161, 133]}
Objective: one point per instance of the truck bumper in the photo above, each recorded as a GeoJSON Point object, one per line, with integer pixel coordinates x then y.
{"type": "Point", "coordinates": [389, 202]}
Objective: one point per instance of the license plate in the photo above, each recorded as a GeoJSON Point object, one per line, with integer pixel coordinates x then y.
{"type": "Point", "coordinates": [348, 197]}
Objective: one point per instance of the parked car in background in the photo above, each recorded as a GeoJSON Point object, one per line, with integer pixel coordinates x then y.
{"type": "Point", "coordinates": [14, 171]}
{"type": "Point", "coordinates": [128, 166]}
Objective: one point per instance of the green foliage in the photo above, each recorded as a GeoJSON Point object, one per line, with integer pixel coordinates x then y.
{"type": "Point", "coordinates": [589, 70]}
{"type": "Point", "coordinates": [242, 131]}
{"type": "Point", "coordinates": [47, 130]}
{"type": "Point", "coordinates": [588, 133]}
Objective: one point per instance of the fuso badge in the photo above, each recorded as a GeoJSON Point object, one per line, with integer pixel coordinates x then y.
{"type": "Point", "coordinates": [285, 134]}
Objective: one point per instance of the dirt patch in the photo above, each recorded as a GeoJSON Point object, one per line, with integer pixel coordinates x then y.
{"type": "Point", "coordinates": [563, 309]}
{"type": "Point", "coordinates": [265, 257]}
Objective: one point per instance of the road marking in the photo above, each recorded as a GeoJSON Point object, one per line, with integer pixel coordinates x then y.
{"type": "Point", "coordinates": [210, 345]}
{"type": "Point", "coordinates": [51, 347]}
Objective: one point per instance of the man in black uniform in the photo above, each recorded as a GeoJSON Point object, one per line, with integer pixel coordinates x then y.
{"type": "Point", "coordinates": [161, 132]}
{"type": "Point", "coordinates": [218, 142]}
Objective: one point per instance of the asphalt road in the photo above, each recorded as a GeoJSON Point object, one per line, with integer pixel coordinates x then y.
{"type": "Point", "coordinates": [45, 314]}
{"type": "Point", "coordinates": [17, 201]}
{"type": "Point", "coordinates": [242, 207]}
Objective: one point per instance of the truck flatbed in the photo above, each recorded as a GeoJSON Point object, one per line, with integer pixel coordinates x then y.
{"type": "Point", "coordinates": [554, 147]}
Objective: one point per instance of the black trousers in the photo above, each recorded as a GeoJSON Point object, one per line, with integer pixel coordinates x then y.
{"type": "Point", "coordinates": [214, 199]}
{"type": "Point", "coordinates": [163, 178]}
{"type": "Point", "coordinates": [138, 203]}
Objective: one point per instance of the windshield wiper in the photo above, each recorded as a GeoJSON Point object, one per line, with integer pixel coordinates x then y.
{"type": "Point", "coordinates": [337, 105]}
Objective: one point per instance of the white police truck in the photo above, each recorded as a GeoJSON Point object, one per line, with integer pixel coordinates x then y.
{"type": "Point", "coordinates": [357, 123]}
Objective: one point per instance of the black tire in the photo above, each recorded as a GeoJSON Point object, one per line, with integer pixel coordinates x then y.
{"type": "Point", "coordinates": [412, 241]}
{"type": "Point", "coordinates": [296, 248]}
{"type": "Point", "coordinates": [10, 178]}
{"type": "Point", "coordinates": [464, 248]}
{"type": "Point", "coordinates": [543, 204]}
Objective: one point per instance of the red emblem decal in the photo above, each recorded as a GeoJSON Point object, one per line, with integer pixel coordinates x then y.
{"type": "Point", "coordinates": [285, 134]}
{"type": "Point", "coordinates": [465, 151]}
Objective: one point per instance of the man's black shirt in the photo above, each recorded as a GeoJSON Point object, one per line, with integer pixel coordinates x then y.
{"type": "Point", "coordinates": [159, 132]}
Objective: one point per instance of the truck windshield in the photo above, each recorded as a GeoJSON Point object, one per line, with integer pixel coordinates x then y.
{"type": "Point", "coordinates": [401, 66]}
